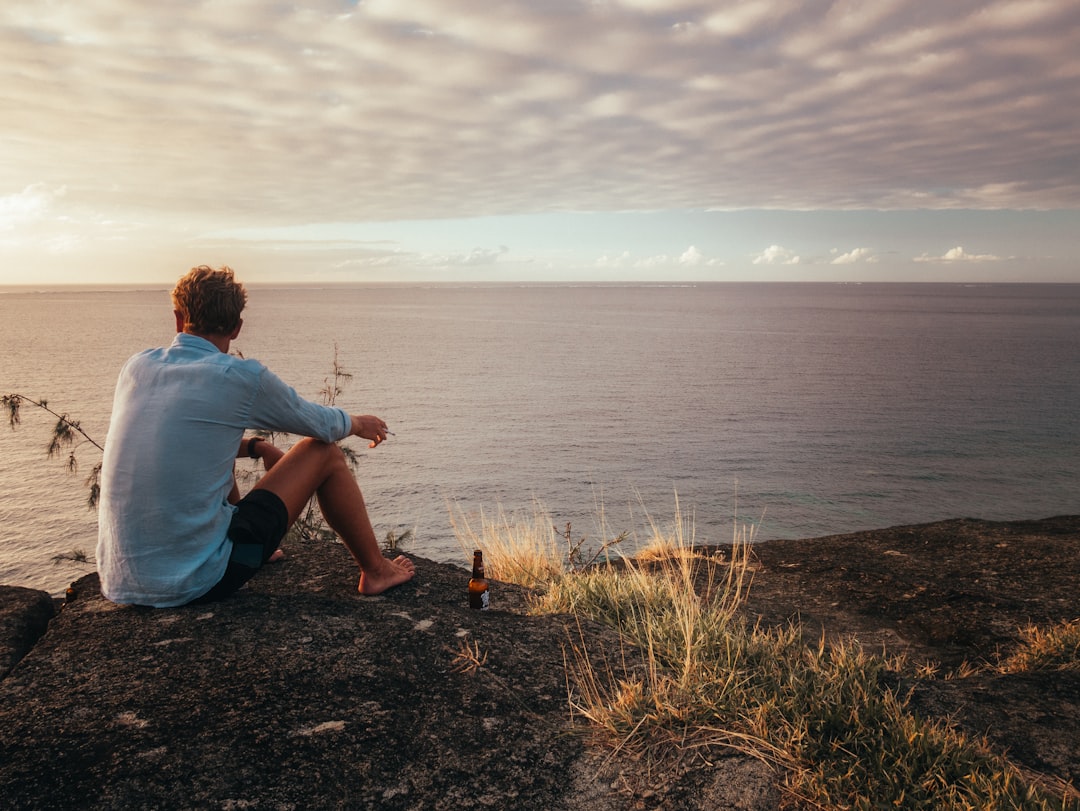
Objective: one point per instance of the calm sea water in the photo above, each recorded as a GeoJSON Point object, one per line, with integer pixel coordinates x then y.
{"type": "Point", "coordinates": [806, 410]}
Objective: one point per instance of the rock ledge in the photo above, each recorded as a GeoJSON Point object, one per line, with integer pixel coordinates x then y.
{"type": "Point", "coordinates": [297, 693]}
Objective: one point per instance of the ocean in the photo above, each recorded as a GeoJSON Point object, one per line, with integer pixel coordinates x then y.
{"type": "Point", "coordinates": [799, 410]}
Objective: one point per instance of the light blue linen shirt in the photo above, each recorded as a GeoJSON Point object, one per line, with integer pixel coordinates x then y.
{"type": "Point", "coordinates": [179, 415]}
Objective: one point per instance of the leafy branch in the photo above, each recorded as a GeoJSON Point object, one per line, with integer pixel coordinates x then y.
{"type": "Point", "coordinates": [65, 435]}
{"type": "Point", "coordinates": [334, 386]}
{"type": "Point", "coordinates": [310, 524]}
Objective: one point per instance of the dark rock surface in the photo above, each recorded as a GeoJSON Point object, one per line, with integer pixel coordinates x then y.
{"type": "Point", "coordinates": [297, 693]}
{"type": "Point", "coordinates": [24, 616]}
{"type": "Point", "coordinates": [951, 592]}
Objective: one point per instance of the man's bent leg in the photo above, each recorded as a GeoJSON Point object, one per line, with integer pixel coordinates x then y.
{"type": "Point", "coordinates": [257, 527]}
{"type": "Point", "coordinates": [315, 467]}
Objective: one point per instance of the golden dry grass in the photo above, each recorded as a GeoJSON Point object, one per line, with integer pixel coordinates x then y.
{"type": "Point", "coordinates": [695, 679]}
{"type": "Point", "coordinates": [1045, 648]}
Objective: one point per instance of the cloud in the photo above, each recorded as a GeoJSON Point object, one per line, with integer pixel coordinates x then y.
{"type": "Point", "coordinates": [31, 205]}
{"type": "Point", "coordinates": [958, 254]}
{"type": "Point", "coordinates": [132, 128]}
{"type": "Point", "coordinates": [30, 220]}
{"type": "Point", "coordinates": [776, 255]}
{"type": "Point", "coordinates": [779, 255]}
{"type": "Point", "coordinates": [618, 261]}
{"type": "Point", "coordinates": [359, 256]}
{"type": "Point", "coordinates": [474, 258]}
{"type": "Point", "coordinates": [319, 111]}
{"type": "Point", "coordinates": [691, 257]}
{"type": "Point", "coordinates": [853, 256]}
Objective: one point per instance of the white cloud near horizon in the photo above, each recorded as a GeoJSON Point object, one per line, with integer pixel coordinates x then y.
{"type": "Point", "coordinates": [777, 255]}
{"type": "Point", "coordinates": [690, 258]}
{"type": "Point", "coordinates": [854, 256]}
{"type": "Point", "coordinates": [958, 254]}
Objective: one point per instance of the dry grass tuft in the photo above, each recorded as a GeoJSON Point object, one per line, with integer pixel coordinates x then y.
{"type": "Point", "coordinates": [469, 658]}
{"type": "Point", "coordinates": [1053, 648]}
{"type": "Point", "coordinates": [695, 680]}
{"type": "Point", "coordinates": [517, 549]}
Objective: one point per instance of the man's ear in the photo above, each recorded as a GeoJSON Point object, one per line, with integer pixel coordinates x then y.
{"type": "Point", "coordinates": [236, 331]}
{"type": "Point", "coordinates": [180, 320]}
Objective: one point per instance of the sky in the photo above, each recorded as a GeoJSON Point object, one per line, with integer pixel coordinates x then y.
{"type": "Point", "coordinates": [548, 140]}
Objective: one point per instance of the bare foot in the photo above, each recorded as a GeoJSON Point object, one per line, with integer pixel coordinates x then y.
{"type": "Point", "coordinates": [279, 554]}
{"type": "Point", "coordinates": [389, 574]}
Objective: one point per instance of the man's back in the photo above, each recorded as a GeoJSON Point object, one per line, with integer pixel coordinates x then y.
{"type": "Point", "coordinates": [178, 418]}
{"type": "Point", "coordinates": [173, 526]}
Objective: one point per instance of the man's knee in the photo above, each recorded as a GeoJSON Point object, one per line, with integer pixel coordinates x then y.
{"type": "Point", "coordinates": [328, 452]}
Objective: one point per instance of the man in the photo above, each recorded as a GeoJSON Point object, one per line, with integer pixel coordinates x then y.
{"type": "Point", "coordinates": [168, 531]}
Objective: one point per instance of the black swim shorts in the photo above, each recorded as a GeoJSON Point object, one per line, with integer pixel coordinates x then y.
{"type": "Point", "coordinates": [258, 525]}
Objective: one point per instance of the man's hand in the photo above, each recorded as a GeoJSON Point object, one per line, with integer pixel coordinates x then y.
{"type": "Point", "coordinates": [369, 427]}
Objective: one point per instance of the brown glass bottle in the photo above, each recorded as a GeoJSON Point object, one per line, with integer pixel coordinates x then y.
{"type": "Point", "coordinates": [478, 584]}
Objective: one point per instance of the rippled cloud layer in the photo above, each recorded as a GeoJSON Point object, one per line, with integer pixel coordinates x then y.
{"type": "Point", "coordinates": [255, 114]}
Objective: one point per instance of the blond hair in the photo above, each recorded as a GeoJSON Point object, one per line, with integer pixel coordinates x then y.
{"type": "Point", "coordinates": [210, 300]}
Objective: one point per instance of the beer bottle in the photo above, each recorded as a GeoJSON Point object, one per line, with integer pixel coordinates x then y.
{"type": "Point", "coordinates": [478, 584]}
